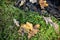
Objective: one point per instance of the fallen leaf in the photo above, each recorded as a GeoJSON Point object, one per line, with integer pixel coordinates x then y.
{"type": "Point", "coordinates": [16, 22]}
{"type": "Point", "coordinates": [22, 2]}
{"type": "Point", "coordinates": [36, 26]}
{"type": "Point", "coordinates": [33, 1]}
{"type": "Point", "coordinates": [29, 28]}
{"type": "Point", "coordinates": [32, 33]}
{"type": "Point", "coordinates": [29, 25]}
{"type": "Point", "coordinates": [55, 26]}
{"type": "Point", "coordinates": [43, 3]}
{"type": "Point", "coordinates": [46, 20]}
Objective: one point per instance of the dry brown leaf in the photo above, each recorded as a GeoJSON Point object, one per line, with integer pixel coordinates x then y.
{"type": "Point", "coordinates": [22, 2]}
{"type": "Point", "coordinates": [43, 3]}
{"type": "Point", "coordinates": [29, 25]}
{"type": "Point", "coordinates": [28, 28]}
{"type": "Point", "coordinates": [32, 33]}
{"type": "Point", "coordinates": [25, 27]}
{"type": "Point", "coordinates": [16, 22]}
{"type": "Point", "coordinates": [36, 26]}
{"type": "Point", "coordinates": [33, 1]}
{"type": "Point", "coordinates": [56, 26]}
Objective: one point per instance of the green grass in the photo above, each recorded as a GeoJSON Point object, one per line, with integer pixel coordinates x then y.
{"type": "Point", "coordinates": [9, 31]}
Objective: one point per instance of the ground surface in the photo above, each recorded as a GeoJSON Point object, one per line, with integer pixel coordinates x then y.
{"type": "Point", "coordinates": [9, 31]}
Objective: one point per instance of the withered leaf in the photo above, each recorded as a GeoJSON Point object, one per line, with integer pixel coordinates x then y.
{"type": "Point", "coordinates": [55, 26]}
{"type": "Point", "coordinates": [43, 3]}
{"type": "Point", "coordinates": [16, 22]}
{"type": "Point", "coordinates": [32, 33]}
{"type": "Point", "coordinates": [36, 26]}
{"type": "Point", "coordinates": [29, 28]}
